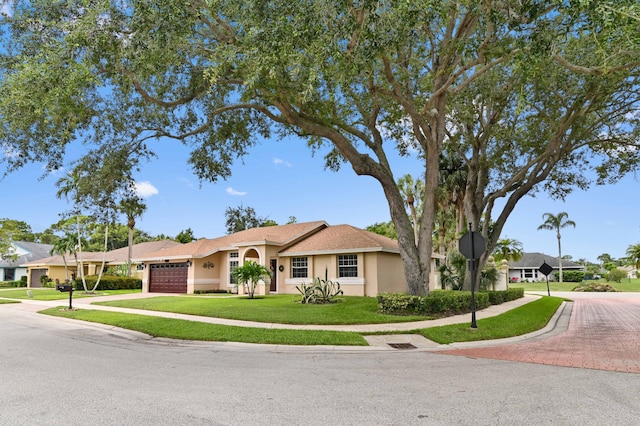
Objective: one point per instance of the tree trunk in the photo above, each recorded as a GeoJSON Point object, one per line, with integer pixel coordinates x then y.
{"type": "Point", "coordinates": [559, 257]}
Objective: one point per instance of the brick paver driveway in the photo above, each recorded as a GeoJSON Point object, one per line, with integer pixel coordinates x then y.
{"type": "Point", "coordinates": [603, 334]}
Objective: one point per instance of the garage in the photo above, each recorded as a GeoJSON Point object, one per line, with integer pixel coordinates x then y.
{"type": "Point", "coordinates": [168, 277]}
{"type": "Point", "coordinates": [36, 274]}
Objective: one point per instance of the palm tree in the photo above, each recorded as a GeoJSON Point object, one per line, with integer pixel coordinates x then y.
{"type": "Point", "coordinates": [508, 249]}
{"type": "Point", "coordinates": [132, 207]}
{"type": "Point", "coordinates": [249, 274]}
{"type": "Point", "coordinates": [633, 251]}
{"type": "Point", "coordinates": [69, 187]}
{"type": "Point", "coordinates": [62, 246]}
{"type": "Point", "coordinates": [555, 223]}
{"type": "Point", "coordinates": [413, 192]}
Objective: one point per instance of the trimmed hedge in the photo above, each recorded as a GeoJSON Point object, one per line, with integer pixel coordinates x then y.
{"type": "Point", "coordinates": [439, 302]}
{"type": "Point", "coordinates": [10, 284]}
{"type": "Point", "coordinates": [110, 282]}
{"type": "Point", "coordinates": [570, 276]}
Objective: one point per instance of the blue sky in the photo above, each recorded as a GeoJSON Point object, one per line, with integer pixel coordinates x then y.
{"type": "Point", "coordinates": [281, 179]}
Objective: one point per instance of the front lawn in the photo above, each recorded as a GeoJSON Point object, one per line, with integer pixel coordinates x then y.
{"type": "Point", "coordinates": [192, 330]}
{"type": "Point", "coordinates": [516, 322]}
{"type": "Point", "coordinates": [8, 301]}
{"type": "Point", "coordinates": [53, 294]}
{"type": "Point", "coordinates": [630, 285]}
{"type": "Point", "coordinates": [281, 309]}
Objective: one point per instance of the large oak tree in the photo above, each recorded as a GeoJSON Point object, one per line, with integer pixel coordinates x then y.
{"type": "Point", "coordinates": [356, 79]}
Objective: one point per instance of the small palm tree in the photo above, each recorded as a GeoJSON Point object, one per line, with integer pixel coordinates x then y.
{"type": "Point", "coordinates": [633, 251]}
{"type": "Point", "coordinates": [555, 223]}
{"type": "Point", "coordinates": [62, 246]}
{"type": "Point", "coordinates": [249, 274]}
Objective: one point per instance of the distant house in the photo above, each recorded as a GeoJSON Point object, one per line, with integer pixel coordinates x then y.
{"type": "Point", "coordinates": [362, 262]}
{"type": "Point", "coordinates": [14, 270]}
{"type": "Point", "coordinates": [631, 271]}
{"type": "Point", "coordinates": [54, 266]}
{"type": "Point", "coordinates": [527, 268]}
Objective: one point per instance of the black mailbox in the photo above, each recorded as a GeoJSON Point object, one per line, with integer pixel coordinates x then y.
{"type": "Point", "coordinates": [64, 288]}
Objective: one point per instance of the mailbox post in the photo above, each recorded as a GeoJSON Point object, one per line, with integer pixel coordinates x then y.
{"type": "Point", "coordinates": [66, 288]}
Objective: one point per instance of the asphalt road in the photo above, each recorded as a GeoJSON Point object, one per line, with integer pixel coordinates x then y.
{"type": "Point", "coordinates": [55, 371]}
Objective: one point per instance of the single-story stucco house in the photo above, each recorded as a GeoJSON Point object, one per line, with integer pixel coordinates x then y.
{"type": "Point", "coordinates": [54, 266]}
{"type": "Point", "coordinates": [527, 268]}
{"type": "Point", "coordinates": [24, 251]}
{"type": "Point", "coordinates": [364, 263]}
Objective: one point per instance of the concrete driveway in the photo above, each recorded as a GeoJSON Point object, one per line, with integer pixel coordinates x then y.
{"type": "Point", "coordinates": [603, 334]}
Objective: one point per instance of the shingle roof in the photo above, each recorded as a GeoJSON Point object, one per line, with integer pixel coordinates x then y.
{"type": "Point", "coordinates": [535, 260]}
{"type": "Point", "coordinates": [342, 238]}
{"type": "Point", "coordinates": [34, 251]}
{"type": "Point", "coordinates": [114, 256]}
{"type": "Point", "coordinates": [282, 235]}
{"type": "Point", "coordinates": [138, 250]}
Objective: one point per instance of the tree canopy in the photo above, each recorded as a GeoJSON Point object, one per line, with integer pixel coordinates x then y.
{"type": "Point", "coordinates": [529, 94]}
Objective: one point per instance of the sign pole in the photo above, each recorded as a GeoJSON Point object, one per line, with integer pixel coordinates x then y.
{"type": "Point", "coordinates": [473, 281]}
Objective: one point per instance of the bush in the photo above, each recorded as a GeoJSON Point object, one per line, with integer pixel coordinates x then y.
{"type": "Point", "coordinates": [443, 302]}
{"type": "Point", "coordinates": [570, 276]}
{"type": "Point", "coordinates": [9, 284]}
{"type": "Point", "coordinates": [616, 275]}
{"type": "Point", "coordinates": [595, 287]}
{"type": "Point", "coordinates": [320, 291]}
{"type": "Point", "coordinates": [110, 282]}
{"type": "Point", "coordinates": [439, 302]}
{"type": "Point", "coordinates": [499, 297]}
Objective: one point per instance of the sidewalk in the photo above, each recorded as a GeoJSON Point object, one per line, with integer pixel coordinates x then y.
{"type": "Point", "coordinates": [409, 341]}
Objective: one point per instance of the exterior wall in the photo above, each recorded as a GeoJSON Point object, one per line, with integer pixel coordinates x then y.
{"type": "Point", "coordinates": [390, 273]}
{"type": "Point", "coordinates": [205, 274]}
{"type": "Point", "coordinates": [53, 272]}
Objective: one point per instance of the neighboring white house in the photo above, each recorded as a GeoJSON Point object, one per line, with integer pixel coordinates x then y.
{"type": "Point", "coordinates": [14, 270]}
{"type": "Point", "coordinates": [527, 269]}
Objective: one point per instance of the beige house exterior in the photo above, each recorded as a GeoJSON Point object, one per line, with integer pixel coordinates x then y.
{"type": "Point", "coordinates": [54, 266]}
{"type": "Point", "coordinates": [364, 263]}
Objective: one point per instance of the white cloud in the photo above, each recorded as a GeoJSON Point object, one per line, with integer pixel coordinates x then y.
{"type": "Point", "coordinates": [145, 189]}
{"type": "Point", "coordinates": [232, 191]}
{"type": "Point", "coordinates": [6, 8]}
{"type": "Point", "coordinates": [281, 162]}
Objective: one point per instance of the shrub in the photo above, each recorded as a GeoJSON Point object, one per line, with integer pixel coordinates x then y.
{"type": "Point", "coordinates": [570, 276]}
{"type": "Point", "coordinates": [320, 291]}
{"type": "Point", "coordinates": [616, 275]}
{"type": "Point", "coordinates": [110, 282]}
{"type": "Point", "coordinates": [440, 302]}
{"type": "Point", "coordinates": [595, 287]}
{"type": "Point", "coordinates": [499, 297]}
{"type": "Point", "coordinates": [6, 284]}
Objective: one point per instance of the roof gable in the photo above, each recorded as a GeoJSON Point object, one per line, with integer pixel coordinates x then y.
{"type": "Point", "coordinates": [282, 236]}
{"type": "Point", "coordinates": [341, 238]}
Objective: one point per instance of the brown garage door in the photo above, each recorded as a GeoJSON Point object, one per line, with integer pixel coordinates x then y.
{"type": "Point", "coordinates": [34, 282]}
{"type": "Point", "coordinates": [168, 278]}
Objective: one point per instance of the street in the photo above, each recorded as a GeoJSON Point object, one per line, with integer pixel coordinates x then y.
{"type": "Point", "coordinates": [58, 371]}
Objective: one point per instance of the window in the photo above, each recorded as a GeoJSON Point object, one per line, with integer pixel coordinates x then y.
{"type": "Point", "coordinates": [10, 274]}
{"type": "Point", "coordinates": [233, 264]}
{"type": "Point", "coordinates": [299, 267]}
{"type": "Point", "coordinates": [347, 266]}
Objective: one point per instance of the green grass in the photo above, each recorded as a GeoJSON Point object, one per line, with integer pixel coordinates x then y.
{"type": "Point", "coordinates": [53, 294]}
{"type": "Point", "coordinates": [516, 322]}
{"type": "Point", "coordinates": [632, 285]}
{"type": "Point", "coordinates": [191, 330]}
{"type": "Point", "coordinates": [8, 301]}
{"type": "Point", "coordinates": [281, 309]}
